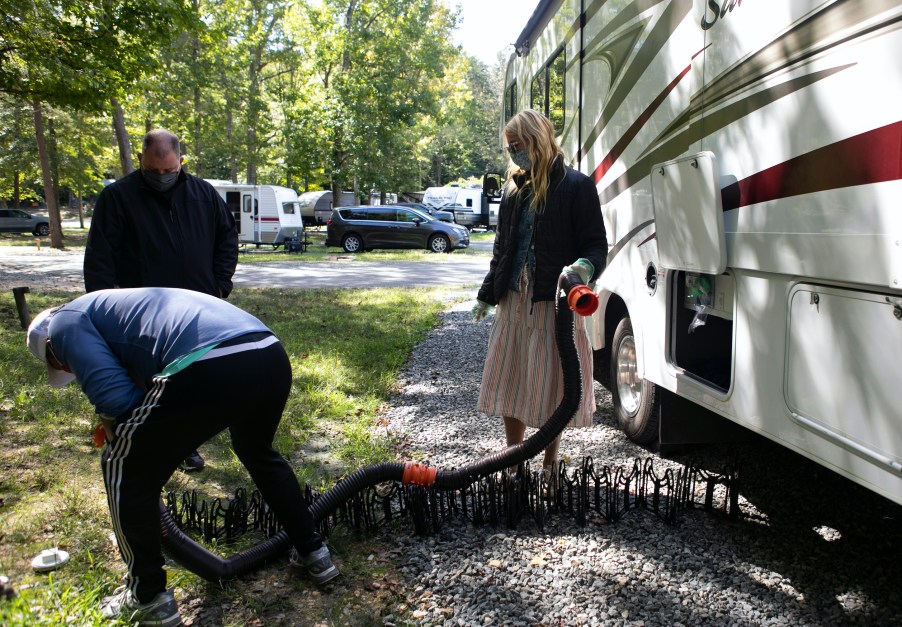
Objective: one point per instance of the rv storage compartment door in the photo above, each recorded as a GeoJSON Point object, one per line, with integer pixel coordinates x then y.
{"type": "Point", "coordinates": [843, 378]}
{"type": "Point", "coordinates": [689, 214]}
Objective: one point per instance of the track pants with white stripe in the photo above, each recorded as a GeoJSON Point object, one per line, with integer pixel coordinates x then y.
{"type": "Point", "coordinates": [244, 393]}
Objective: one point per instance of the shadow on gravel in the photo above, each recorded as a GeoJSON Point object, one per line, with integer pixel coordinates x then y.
{"type": "Point", "coordinates": [835, 544]}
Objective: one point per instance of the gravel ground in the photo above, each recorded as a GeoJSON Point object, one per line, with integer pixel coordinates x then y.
{"type": "Point", "coordinates": [814, 549]}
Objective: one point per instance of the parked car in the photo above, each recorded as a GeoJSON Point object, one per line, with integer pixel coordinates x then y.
{"type": "Point", "coordinates": [438, 214]}
{"type": "Point", "coordinates": [363, 228]}
{"type": "Point", "coordinates": [18, 221]}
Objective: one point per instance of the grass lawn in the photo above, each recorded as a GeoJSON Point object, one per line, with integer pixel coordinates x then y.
{"type": "Point", "coordinates": [75, 239]}
{"type": "Point", "coordinates": [346, 348]}
{"type": "Point", "coordinates": [72, 238]}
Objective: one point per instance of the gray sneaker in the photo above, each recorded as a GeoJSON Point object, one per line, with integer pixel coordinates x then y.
{"type": "Point", "coordinates": [162, 611]}
{"type": "Point", "coordinates": [318, 564]}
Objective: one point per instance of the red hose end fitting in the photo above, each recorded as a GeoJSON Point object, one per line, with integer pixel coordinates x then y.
{"type": "Point", "coordinates": [419, 474]}
{"type": "Point", "coordinates": [582, 300]}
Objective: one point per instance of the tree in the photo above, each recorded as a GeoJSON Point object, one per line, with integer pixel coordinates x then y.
{"type": "Point", "coordinates": [77, 54]}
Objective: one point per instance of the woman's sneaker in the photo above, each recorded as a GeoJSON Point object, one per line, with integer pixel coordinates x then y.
{"type": "Point", "coordinates": [161, 611]}
{"type": "Point", "coordinates": [317, 564]}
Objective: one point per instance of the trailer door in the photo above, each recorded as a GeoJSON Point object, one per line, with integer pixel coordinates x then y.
{"type": "Point", "coordinates": [248, 212]}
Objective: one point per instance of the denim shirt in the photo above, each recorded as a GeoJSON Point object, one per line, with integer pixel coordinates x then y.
{"type": "Point", "coordinates": [526, 252]}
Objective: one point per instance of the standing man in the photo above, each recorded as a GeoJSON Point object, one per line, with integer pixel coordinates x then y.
{"type": "Point", "coordinates": [161, 227]}
{"type": "Point", "coordinates": [157, 365]}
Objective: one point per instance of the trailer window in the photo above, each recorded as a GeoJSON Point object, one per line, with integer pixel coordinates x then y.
{"type": "Point", "coordinates": [547, 92]}
{"type": "Point", "coordinates": [247, 204]}
{"type": "Point", "coordinates": [288, 208]}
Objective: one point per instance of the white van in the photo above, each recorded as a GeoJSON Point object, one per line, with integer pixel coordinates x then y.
{"type": "Point", "coordinates": [265, 214]}
{"type": "Point", "coordinates": [471, 206]}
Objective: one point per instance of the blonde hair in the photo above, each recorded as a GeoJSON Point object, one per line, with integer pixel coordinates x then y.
{"type": "Point", "coordinates": [535, 134]}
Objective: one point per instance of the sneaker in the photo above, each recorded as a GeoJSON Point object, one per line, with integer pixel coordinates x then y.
{"type": "Point", "coordinates": [193, 462]}
{"type": "Point", "coordinates": [318, 564]}
{"type": "Point", "coordinates": [162, 611]}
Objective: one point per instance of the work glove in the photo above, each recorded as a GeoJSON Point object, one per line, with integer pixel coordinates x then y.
{"type": "Point", "coordinates": [582, 267]}
{"type": "Point", "coordinates": [481, 310]}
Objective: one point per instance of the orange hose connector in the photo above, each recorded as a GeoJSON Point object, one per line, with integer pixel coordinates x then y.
{"type": "Point", "coordinates": [419, 474]}
{"type": "Point", "coordinates": [582, 300]}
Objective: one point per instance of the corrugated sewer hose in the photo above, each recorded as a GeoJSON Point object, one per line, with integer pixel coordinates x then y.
{"type": "Point", "coordinates": [573, 296]}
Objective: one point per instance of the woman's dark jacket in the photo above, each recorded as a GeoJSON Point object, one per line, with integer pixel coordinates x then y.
{"type": "Point", "coordinates": [570, 227]}
{"type": "Point", "coordinates": [139, 237]}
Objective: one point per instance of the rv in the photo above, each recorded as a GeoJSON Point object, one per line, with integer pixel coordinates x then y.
{"type": "Point", "coordinates": [316, 207]}
{"type": "Point", "coordinates": [265, 214]}
{"type": "Point", "coordinates": [471, 207]}
{"type": "Point", "coordinates": [747, 159]}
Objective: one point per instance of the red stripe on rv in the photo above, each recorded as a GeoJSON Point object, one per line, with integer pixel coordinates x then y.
{"type": "Point", "coordinates": [635, 127]}
{"type": "Point", "coordinates": [871, 157]}
{"type": "Point", "coordinates": [266, 219]}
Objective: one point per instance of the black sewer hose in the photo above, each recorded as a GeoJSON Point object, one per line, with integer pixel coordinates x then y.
{"type": "Point", "coordinates": [572, 293]}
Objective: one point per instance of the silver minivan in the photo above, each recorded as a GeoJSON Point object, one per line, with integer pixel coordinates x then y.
{"type": "Point", "coordinates": [18, 221]}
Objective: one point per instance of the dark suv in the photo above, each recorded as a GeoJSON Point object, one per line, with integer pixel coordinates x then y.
{"type": "Point", "coordinates": [18, 221]}
{"type": "Point", "coordinates": [387, 226]}
{"type": "Point", "coordinates": [438, 214]}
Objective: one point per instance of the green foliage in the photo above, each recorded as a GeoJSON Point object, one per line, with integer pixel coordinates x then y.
{"type": "Point", "coordinates": [363, 95]}
{"type": "Point", "coordinates": [75, 53]}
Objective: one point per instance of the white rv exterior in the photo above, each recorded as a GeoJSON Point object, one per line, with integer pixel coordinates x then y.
{"type": "Point", "coordinates": [748, 158]}
{"type": "Point", "coordinates": [469, 205]}
{"type": "Point", "coordinates": [265, 214]}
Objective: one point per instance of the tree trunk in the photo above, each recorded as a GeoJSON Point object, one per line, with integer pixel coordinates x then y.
{"type": "Point", "coordinates": [17, 192]}
{"type": "Point", "coordinates": [81, 213]}
{"type": "Point", "coordinates": [195, 58]}
{"type": "Point", "coordinates": [233, 164]}
{"type": "Point", "coordinates": [53, 210]}
{"type": "Point", "coordinates": [53, 153]}
{"type": "Point", "coordinates": [125, 148]}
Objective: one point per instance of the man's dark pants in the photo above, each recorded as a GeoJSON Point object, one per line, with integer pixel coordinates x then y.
{"type": "Point", "coordinates": [245, 393]}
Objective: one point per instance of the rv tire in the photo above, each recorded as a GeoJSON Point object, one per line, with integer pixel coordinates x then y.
{"type": "Point", "coordinates": [635, 400]}
{"type": "Point", "coordinates": [352, 243]}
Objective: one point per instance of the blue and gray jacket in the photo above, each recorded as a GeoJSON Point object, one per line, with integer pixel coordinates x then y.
{"type": "Point", "coordinates": [116, 341]}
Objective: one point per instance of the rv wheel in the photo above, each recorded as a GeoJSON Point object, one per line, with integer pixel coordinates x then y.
{"type": "Point", "coordinates": [352, 243]}
{"type": "Point", "coordinates": [635, 400]}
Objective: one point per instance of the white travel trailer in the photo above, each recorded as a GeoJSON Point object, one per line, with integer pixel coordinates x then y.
{"type": "Point", "coordinates": [316, 207]}
{"type": "Point", "coordinates": [748, 158]}
{"type": "Point", "coordinates": [471, 206]}
{"type": "Point", "coordinates": [265, 214]}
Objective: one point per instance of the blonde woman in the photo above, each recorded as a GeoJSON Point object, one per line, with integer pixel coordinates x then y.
{"type": "Point", "coordinates": [550, 218]}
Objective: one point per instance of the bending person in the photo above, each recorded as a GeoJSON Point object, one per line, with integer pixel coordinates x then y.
{"type": "Point", "coordinates": [549, 217]}
{"type": "Point", "coordinates": [157, 364]}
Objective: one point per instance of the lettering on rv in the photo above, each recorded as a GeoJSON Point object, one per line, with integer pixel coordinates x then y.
{"type": "Point", "coordinates": [720, 10]}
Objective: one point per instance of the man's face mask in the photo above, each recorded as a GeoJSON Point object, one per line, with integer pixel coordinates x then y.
{"type": "Point", "coordinates": [160, 182]}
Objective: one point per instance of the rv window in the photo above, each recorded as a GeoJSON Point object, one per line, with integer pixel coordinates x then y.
{"type": "Point", "coordinates": [246, 207]}
{"type": "Point", "coordinates": [469, 202]}
{"type": "Point", "coordinates": [288, 208]}
{"type": "Point", "coordinates": [547, 94]}
{"type": "Point", "coordinates": [510, 101]}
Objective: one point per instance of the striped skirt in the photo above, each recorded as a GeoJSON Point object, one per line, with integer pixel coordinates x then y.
{"type": "Point", "coordinates": [522, 376]}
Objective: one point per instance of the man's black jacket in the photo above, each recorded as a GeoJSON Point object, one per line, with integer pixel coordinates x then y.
{"type": "Point", "coordinates": [570, 227]}
{"type": "Point", "coordinates": [143, 238]}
